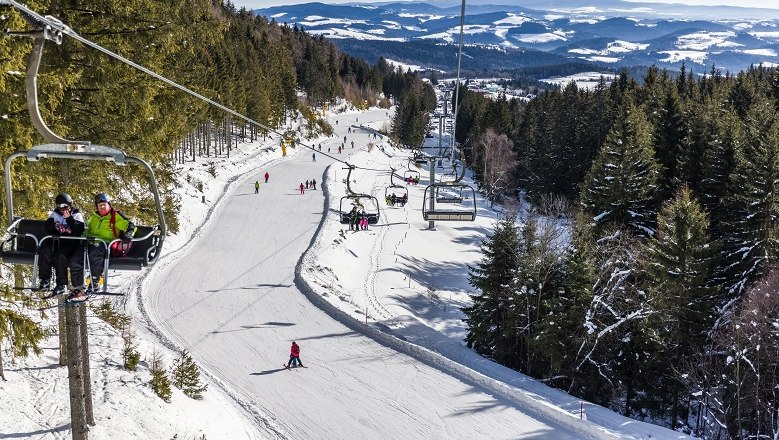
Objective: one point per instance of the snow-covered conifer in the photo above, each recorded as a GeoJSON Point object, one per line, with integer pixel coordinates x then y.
{"type": "Point", "coordinates": [678, 265]}
{"type": "Point", "coordinates": [752, 231]}
{"type": "Point", "coordinates": [621, 188]}
{"type": "Point", "coordinates": [186, 376]}
{"type": "Point", "coordinates": [160, 382]}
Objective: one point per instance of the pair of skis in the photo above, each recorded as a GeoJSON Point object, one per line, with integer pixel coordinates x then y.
{"type": "Point", "coordinates": [75, 301]}
{"type": "Point", "coordinates": [289, 368]}
{"type": "Point", "coordinates": [51, 294]}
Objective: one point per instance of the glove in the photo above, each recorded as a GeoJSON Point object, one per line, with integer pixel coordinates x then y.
{"type": "Point", "coordinates": [127, 237]}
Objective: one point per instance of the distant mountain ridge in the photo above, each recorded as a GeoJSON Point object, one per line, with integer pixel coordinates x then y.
{"type": "Point", "coordinates": [614, 33]}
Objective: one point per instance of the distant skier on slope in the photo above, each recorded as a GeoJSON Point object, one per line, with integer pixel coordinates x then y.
{"type": "Point", "coordinates": [267, 176]}
{"type": "Point", "coordinates": [294, 356]}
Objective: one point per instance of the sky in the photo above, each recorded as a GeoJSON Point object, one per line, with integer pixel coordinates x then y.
{"type": "Point", "coordinates": [771, 4]}
{"type": "Point", "coordinates": [235, 297]}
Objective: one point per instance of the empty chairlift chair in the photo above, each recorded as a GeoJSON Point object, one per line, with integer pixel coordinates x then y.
{"type": "Point", "coordinates": [450, 201]}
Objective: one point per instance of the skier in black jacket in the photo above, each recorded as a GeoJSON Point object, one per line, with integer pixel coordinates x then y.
{"type": "Point", "coordinates": [63, 221]}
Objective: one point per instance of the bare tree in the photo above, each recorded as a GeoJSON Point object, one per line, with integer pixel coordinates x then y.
{"type": "Point", "coordinates": [496, 160]}
{"type": "Point", "coordinates": [752, 355]}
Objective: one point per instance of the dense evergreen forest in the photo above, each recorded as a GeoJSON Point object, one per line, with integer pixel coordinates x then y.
{"type": "Point", "coordinates": [270, 73]}
{"type": "Point", "coordinates": [644, 280]}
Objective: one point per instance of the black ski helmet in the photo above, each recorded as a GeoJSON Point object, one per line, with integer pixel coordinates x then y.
{"type": "Point", "coordinates": [63, 199]}
{"type": "Point", "coordinates": [102, 197]}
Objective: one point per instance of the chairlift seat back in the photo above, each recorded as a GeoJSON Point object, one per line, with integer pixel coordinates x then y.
{"type": "Point", "coordinates": [143, 252]}
{"type": "Point", "coordinates": [448, 199]}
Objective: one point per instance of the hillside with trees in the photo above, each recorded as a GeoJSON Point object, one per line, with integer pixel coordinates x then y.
{"type": "Point", "coordinates": [660, 301]}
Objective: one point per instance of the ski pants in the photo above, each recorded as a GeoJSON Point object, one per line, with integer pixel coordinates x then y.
{"type": "Point", "coordinates": [60, 254]}
{"type": "Point", "coordinates": [294, 361]}
{"type": "Point", "coordinates": [97, 254]}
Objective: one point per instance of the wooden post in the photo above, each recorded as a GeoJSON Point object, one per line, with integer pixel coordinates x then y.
{"type": "Point", "coordinates": [85, 373]}
{"type": "Point", "coordinates": [2, 373]}
{"type": "Point", "coordinates": [62, 321]}
{"type": "Point", "coordinates": [78, 420]}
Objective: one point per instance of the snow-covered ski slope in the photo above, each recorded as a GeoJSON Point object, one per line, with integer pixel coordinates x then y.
{"type": "Point", "coordinates": [269, 268]}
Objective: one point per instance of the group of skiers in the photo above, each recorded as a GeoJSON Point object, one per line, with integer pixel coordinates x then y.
{"type": "Point", "coordinates": [412, 180]}
{"type": "Point", "coordinates": [357, 220]}
{"type": "Point", "coordinates": [393, 200]}
{"type": "Point", "coordinates": [65, 251]}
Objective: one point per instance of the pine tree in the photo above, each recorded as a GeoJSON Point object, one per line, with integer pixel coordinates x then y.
{"type": "Point", "coordinates": [186, 376]}
{"type": "Point", "coordinates": [562, 330]}
{"type": "Point", "coordinates": [494, 277]}
{"type": "Point", "coordinates": [411, 120]}
{"type": "Point", "coordinates": [751, 232]}
{"type": "Point", "coordinates": [621, 188]}
{"type": "Point", "coordinates": [160, 382]}
{"type": "Point", "coordinates": [22, 333]}
{"type": "Point", "coordinates": [679, 261]}
{"type": "Point", "coordinates": [718, 163]}
{"type": "Point", "coordinates": [130, 354]}
{"type": "Point", "coordinates": [668, 131]}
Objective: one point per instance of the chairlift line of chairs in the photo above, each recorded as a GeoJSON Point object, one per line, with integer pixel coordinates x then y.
{"type": "Point", "coordinates": [24, 238]}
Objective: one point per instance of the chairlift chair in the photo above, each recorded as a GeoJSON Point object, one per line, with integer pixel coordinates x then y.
{"type": "Point", "coordinates": [355, 199]}
{"type": "Point", "coordinates": [451, 196]}
{"type": "Point", "coordinates": [24, 237]}
{"type": "Point", "coordinates": [452, 210]}
{"type": "Point", "coordinates": [394, 187]}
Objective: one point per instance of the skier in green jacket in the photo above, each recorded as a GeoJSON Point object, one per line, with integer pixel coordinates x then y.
{"type": "Point", "coordinates": [105, 225]}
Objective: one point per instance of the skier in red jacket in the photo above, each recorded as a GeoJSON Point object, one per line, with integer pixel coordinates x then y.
{"type": "Point", "coordinates": [266, 177]}
{"type": "Point", "coordinates": [294, 356]}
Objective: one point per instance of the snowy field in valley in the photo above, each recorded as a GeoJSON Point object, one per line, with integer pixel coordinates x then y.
{"type": "Point", "coordinates": [376, 314]}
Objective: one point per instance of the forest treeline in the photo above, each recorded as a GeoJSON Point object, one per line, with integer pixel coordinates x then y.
{"type": "Point", "coordinates": [654, 292]}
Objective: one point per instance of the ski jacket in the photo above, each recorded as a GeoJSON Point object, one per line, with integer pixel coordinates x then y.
{"type": "Point", "coordinates": [100, 226]}
{"type": "Point", "coordinates": [295, 350]}
{"type": "Point", "coordinates": [57, 224]}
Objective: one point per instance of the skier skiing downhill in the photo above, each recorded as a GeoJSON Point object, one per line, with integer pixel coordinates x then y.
{"type": "Point", "coordinates": [302, 188]}
{"type": "Point", "coordinates": [267, 176]}
{"type": "Point", "coordinates": [294, 356]}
